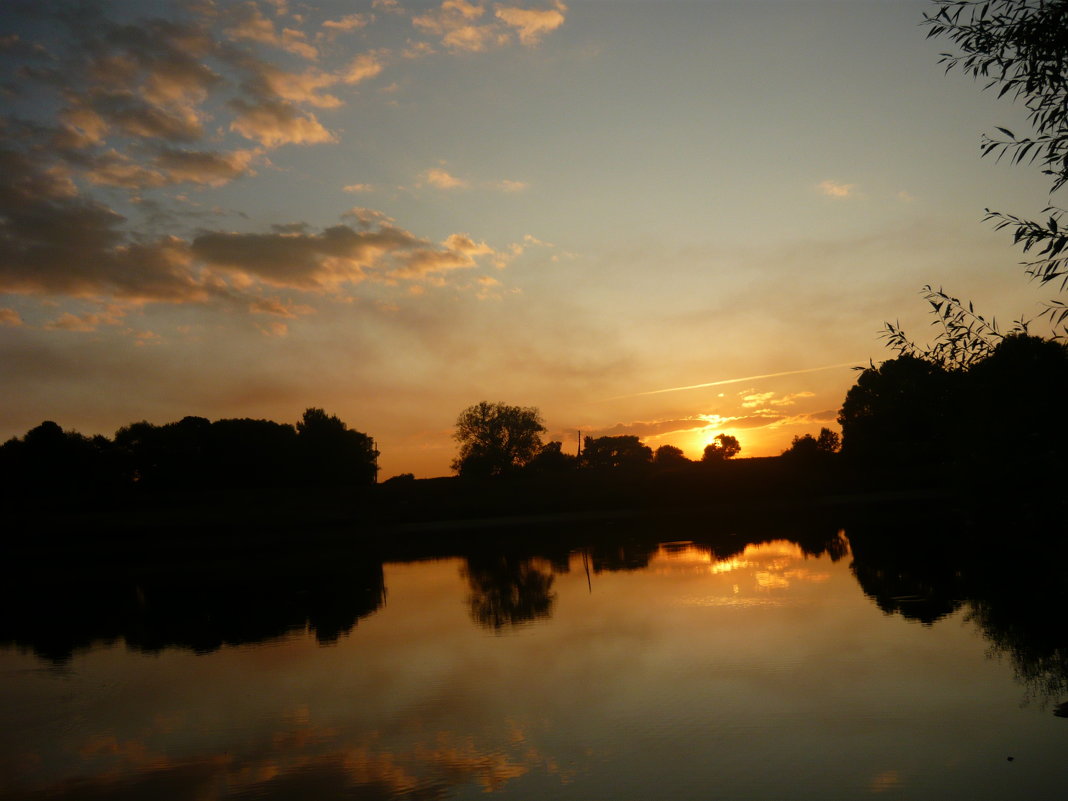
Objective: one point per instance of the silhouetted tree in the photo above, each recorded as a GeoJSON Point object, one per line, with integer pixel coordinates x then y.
{"type": "Point", "coordinates": [332, 454]}
{"type": "Point", "coordinates": [49, 460]}
{"type": "Point", "coordinates": [807, 446]}
{"type": "Point", "coordinates": [1025, 381]}
{"type": "Point", "coordinates": [899, 414]}
{"type": "Point", "coordinates": [723, 448]}
{"type": "Point", "coordinates": [171, 455]}
{"type": "Point", "coordinates": [552, 459]}
{"type": "Point", "coordinates": [911, 412]}
{"type": "Point", "coordinates": [624, 451]}
{"type": "Point", "coordinates": [251, 453]}
{"type": "Point", "coordinates": [669, 456]}
{"type": "Point", "coordinates": [496, 438]}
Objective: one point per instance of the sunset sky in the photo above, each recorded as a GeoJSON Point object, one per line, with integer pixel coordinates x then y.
{"type": "Point", "coordinates": [395, 209]}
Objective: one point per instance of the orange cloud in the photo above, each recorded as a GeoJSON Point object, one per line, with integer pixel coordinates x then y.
{"type": "Point", "coordinates": [349, 22]}
{"type": "Point", "coordinates": [86, 322]}
{"type": "Point", "coordinates": [10, 318]}
{"type": "Point", "coordinates": [442, 179]}
{"type": "Point", "coordinates": [836, 189]}
{"type": "Point", "coordinates": [274, 123]}
{"type": "Point", "coordinates": [364, 66]}
{"type": "Point", "coordinates": [458, 24]}
{"type": "Point", "coordinates": [248, 23]}
{"type": "Point", "coordinates": [114, 169]}
{"type": "Point", "coordinates": [270, 82]}
{"type": "Point", "coordinates": [205, 167]}
{"type": "Point", "coordinates": [532, 24]}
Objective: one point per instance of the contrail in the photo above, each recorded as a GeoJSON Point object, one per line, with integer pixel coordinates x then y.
{"type": "Point", "coordinates": [736, 380]}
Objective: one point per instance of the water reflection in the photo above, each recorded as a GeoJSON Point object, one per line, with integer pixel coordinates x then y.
{"type": "Point", "coordinates": [657, 662]}
{"type": "Point", "coordinates": [917, 583]}
{"type": "Point", "coordinates": [924, 568]}
{"type": "Point", "coordinates": [508, 590]}
{"type": "Point", "coordinates": [196, 607]}
{"type": "Point", "coordinates": [295, 764]}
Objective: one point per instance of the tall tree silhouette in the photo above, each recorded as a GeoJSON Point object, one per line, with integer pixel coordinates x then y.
{"type": "Point", "coordinates": [899, 414]}
{"type": "Point", "coordinates": [496, 438]}
{"type": "Point", "coordinates": [333, 454]}
{"type": "Point", "coordinates": [724, 447]}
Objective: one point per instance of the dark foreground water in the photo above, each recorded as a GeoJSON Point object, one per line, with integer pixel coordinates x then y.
{"type": "Point", "coordinates": [639, 670]}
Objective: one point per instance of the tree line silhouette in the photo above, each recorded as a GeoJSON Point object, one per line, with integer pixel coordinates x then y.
{"type": "Point", "coordinates": [940, 418]}
{"type": "Point", "coordinates": [497, 439]}
{"type": "Point", "coordinates": [993, 421]}
{"type": "Point", "coordinates": [193, 453]}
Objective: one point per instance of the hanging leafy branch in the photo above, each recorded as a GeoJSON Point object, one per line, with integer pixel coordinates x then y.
{"type": "Point", "coordinates": [1020, 47]}
{"type": "Point", "coordinates": [1047, 240]}
{"type": "Point", "coordinates": [964, 339]}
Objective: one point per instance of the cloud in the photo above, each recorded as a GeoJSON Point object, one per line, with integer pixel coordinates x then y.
{"type": "Point", "coordinates": [367, 218]}
{"type": "Point", "coordinates": [652, 428]}
{"type": "Point", "coordinates": [761, 399]}
{"type": "Point", "coordinates": [248, 23]}
{"type": "Point", "coordinates": [134, 116]}
{"type": "Point", "coordinates": [511, 186]}
{"type": "Point", "coordinates": [721, 382]}
{"type": "Point", "coordinates": [836, 189]}
{"type": "Point", "coordinates": [269, 82]}
{"type": "Point", "coordinates": [442, 179]}
{"type": "Point", "coordinates": [82, 127]}
{"type": "Point", "coordinates": [347, 23]}
{"type": "Point", "coordinates": [9, 318]}
{"type": "Point", "coordinates": [58, 242]}
{"type": "Point", "coordinates": [462, 243]}
{"type": "Point", "coordinates": [279, 308]}
{"type": "Point", "coordinates": [274, 123]}
{"type": "Point", "coordinates": [364, 66]}
{"type": "Point", "coordinates": [81, 322]}
{"type": "Point", "coordinates": [418, 50]}
{"type": "Point", "coordinates": [114, 169]}
{"type": "Point", "coordinates": [532, 24]}
{"type": "Point", "coordinates": [807, 418]}
{"type": "Point", "coordinates": [140, 107]}
{"type": "Point", "coordinates": [338, 255]}
{"type": "Point", "coordinates": [462, 25]}
{"type": "Point", "coordinates": [205, 167]}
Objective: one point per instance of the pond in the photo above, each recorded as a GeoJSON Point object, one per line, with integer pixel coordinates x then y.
{"type": "Point", "coordinates": [644, 668]}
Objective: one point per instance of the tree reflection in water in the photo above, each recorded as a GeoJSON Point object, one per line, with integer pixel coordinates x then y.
{"type": "Point", "coordinates": [919, 564]}
{"type": "Point", "coordinates": [926, 566]}
{"type": "Point", "coordinates": [61, 608]}
{"type": "Point", "coordinates": [508, 590]}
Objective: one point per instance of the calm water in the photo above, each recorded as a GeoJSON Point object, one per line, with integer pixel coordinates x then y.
{"type": "Point", "coordinates": [648, 671]}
